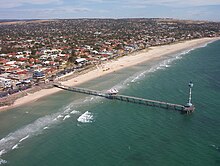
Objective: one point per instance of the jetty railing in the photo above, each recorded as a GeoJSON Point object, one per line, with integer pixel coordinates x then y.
{"type": "Point", "coordinates": [148, 102]}
{"type": "Point", "coordinates": [130, 99]}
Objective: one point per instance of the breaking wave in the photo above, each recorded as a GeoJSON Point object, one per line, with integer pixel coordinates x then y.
{"type": "Point", "coordinates": [15, 147]}
{"type": "Point", "coordinates": [87, 117]}
{"type": "Point", "coordinates": [2, 152]}
{"type": "Point", "coordinates": [161, 66]}
{"type": "Point", "coordinates": [3, 161]}
{"type": "Point", "coordinates": [66, 117]}
{"type": "Point", "coordinates": [166, 63]}
{"type": "Point", "coordinates": [140, 75]}
{"type": "Point", "coordinates": [24, 138]}
{"type": "Point", "coordinates": [14, 139]}
{"type": "Point", "coordinates": [74, 112]}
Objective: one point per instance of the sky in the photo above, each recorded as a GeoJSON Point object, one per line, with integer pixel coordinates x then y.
{"type": "Point", "coordinates": [61, 9]}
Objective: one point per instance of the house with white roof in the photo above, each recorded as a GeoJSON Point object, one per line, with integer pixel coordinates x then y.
{"type": "Point", "coordinates": [5, 83]}
{"type": "Point", "coordinates": [81, 60]}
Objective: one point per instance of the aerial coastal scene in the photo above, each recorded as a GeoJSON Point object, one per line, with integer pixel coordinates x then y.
{"type": "Point", "coordinates": [33, 56]}
{"type": "Point", "coordinates": [109, 83]}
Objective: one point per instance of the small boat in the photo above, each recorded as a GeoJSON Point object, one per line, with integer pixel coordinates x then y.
{"type": "Point", "coordinates": [112, 91]}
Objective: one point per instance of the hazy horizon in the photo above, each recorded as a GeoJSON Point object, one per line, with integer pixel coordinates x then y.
{"type": "Point", "coordinates": [67, 9]}
{"type": "Point", "coordinates": [48, 19]}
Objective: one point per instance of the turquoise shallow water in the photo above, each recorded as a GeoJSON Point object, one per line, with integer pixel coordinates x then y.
{"type": "Point", "coordinates": [75, 129]}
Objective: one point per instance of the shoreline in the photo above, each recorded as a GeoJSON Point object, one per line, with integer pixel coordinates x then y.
{"type": "Point", "coordinates": [115, 65]}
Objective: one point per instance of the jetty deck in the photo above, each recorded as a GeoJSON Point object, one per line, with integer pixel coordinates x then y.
{"type": "Point", "coordinates": [130, 99]}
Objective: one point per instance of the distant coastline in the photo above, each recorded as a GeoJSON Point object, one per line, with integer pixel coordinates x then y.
{"type": "Point", "coordinates": [22, 21]}
{"type": "Point", "coordinates": [114, 65]}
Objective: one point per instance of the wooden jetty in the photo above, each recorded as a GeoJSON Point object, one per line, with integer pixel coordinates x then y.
{"type": "Point", "coordinates": [130, 99]}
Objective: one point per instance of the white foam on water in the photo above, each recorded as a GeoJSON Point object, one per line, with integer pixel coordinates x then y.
{"type": "Point", "coordinates": [164, 64]}
{"type": "Point", "coordinates": [2, 161]}
{"type": "Point", "coordinates": [92, 99]}
{"type": "Point", "coordinates": [12, 140]}
{"type": "Point", "coordinates": [161, 66]}
{"type": "Point", "coordinates": [2, 152]}
{"type": "Point", "coordinates": [46, 128]}
{"type": "Point", "coordinates": [67, 110]}
{"type": "Point", "coordinates": [206, 44]}
{"type": "Point", "coordinates": [87, 117]}
{"type": "Point", "coordinates": [9, 142]}
{"type": "Point", "coordinates": [138, 76]}
{"type": "Point", "coordinates": [24, 138]}
{"type": "Point", "coordinates": [59, 116]}
{"type": "Point", "coordinates": [215, 146]}
{"type": "Point", "coordinates": [186, 51]}
{"type": "Point", "coordinates": [55, 119]}
{"type": "Point", "coordinates": [66, 117]}
{"type": "Point", "coordinates": [37, 127]}
{"type": "Point", "coordinates": [201, 46]}
{"type": "Point", "coordinates": [15, 147]}
{"type": "Point", "coordinates": [74, 112]}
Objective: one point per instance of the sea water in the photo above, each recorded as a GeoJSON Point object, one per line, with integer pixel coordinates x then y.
{"type": "Point", "coordinates": [75, 129]}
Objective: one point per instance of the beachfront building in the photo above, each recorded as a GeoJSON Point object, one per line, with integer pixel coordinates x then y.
{"type": "Point", "coordinates": [80, 61]}
{"type": "Point", "coordinates": [38, 74]}
{"type": "Point", "coordinates": [5, 83]}
{"type": "Point", "coordinates": [57, 47]}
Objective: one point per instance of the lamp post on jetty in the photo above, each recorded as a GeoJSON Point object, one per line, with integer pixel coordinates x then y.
{"type": "Point", "coordinates": [189, 107]}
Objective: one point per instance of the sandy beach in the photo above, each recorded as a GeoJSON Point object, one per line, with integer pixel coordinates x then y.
{"type": "Point", "coordinates": [114, 65]}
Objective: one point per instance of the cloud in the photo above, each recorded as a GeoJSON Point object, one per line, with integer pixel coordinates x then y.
{"type": "Point", "coordinates": [172, 3]}
{"type": "Point", "coordinates": [98, 1]}
{"type": "Point", "coordinates": [57, 12]}
{"type": "Point", "coordinates": [109, 8]}
{"type": "Point", "coordinates": [70, 9]}
{"type": "Point", "coordinates": [17, 3]}
{"type": "Point", "coordinates": [175, 3]}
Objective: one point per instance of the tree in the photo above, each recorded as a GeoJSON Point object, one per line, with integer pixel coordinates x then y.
{"type": "Point", "coordinates": [72, 57]}
{"type": "Point", "coordinates": [33, 51]}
